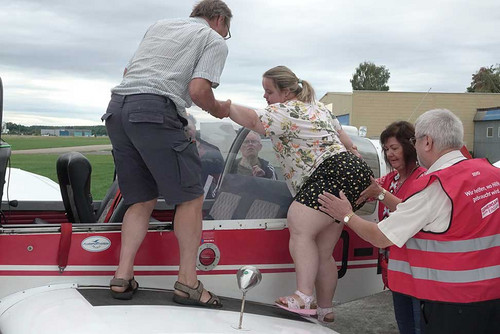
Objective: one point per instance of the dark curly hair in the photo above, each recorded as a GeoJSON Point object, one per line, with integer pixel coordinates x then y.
{"type": "Point", "coordinates": [402, 131]}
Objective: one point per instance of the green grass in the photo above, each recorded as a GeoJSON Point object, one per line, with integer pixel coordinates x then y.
{"type": "Point", "coordinates": [34, 142]}
{"type": "Point", "coordinates": [45, 164]}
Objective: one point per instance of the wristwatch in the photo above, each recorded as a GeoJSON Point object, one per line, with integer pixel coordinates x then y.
{"type": "Point", "coordinates": [381, 196]}
{"type": "Point", "coordinates": [348, 217]}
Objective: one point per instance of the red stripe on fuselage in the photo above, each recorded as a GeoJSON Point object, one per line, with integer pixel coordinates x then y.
{"type": "Point", "coordinates": [151, 272]}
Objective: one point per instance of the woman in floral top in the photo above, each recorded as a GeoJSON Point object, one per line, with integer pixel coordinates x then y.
{"type": "Point", "coordinates": [316, 156]}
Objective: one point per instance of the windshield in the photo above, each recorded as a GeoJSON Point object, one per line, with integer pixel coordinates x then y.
{"type": "Point", "coordinates": [249, 183]}
{"type": "Point", "coordinates": [219, 134]}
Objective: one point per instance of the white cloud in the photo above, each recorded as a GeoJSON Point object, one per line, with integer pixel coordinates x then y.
{"type": "Point", "coordinates": [27, 119]}
{"type": "Point", "coordinates": [48, 95]}
{"type": "Point", "coordinates": [59, 59]}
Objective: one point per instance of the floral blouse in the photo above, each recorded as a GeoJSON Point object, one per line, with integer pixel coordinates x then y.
{"type": "Point", "coordinates": [303, 136]}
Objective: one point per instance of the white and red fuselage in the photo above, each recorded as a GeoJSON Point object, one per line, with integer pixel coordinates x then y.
{"type": "Point", "coordinates": [55, 251]}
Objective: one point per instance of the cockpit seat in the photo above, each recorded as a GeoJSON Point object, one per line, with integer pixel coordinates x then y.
{"type": "Point", "coordinates": [73, 172]}
{"type": "Point", "coordinates": [263, 210]}
{"type": "Point", "coordinates": [248, 197]}
{"type": "Point", "coordinates": [224, 206]}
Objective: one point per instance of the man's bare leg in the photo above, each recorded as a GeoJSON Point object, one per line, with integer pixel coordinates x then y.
{"type": "Point", "coordinates": [134, 229]}
{"type": "Point", "coordinates": [187, 228]}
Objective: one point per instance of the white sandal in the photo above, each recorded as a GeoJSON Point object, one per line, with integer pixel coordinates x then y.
{"type": "Point", "coordinates": [322, 312]}
{"type": "Point", "coordinates": [292, 304]}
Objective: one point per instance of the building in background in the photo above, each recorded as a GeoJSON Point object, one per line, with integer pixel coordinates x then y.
{"type": "Point", "coordinates": [377, 109]}
{"type": "Point", "coordinates": [4, 128]}
{"type": "Point", "coordinates": [66, 132]}
{"type": "Point", "coordinates": [487, 134]}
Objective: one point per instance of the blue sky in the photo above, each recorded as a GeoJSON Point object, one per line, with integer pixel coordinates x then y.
{"type": "Point", "coordinates": [59, 59]}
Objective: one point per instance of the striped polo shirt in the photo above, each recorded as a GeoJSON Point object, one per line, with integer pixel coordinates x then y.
{"type": "Point", "coordinates": [172, 53]}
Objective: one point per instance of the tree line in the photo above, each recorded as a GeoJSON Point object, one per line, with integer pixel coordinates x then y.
{"type": "Point", "coordinates": [35, 130]}
{"type": "Point", "coordinates": [369, 76]}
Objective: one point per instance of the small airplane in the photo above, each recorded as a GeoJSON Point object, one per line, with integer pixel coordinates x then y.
{"type": "Point", "coordinates": [56, 243]}
{"type": "Point", "coordinates": [70, 308]}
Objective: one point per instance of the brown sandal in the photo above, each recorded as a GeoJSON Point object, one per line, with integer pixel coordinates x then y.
{"type": "Point", "coordinates": [194, 296]}
{"type": "Point", "coordinates": [131, 287]}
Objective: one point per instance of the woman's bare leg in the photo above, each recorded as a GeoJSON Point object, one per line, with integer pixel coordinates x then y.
{"type": "Point", "coordinates": [326, 278]}
{"type": "Point", "coordinates": [304, 224]}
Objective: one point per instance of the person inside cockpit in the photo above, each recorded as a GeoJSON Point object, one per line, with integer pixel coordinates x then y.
{"type": "Point", "coordinates": [250, 163]}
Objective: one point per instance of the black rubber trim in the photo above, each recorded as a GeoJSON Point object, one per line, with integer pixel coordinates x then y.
{"type": "Point", "coordinates": [100, 296]}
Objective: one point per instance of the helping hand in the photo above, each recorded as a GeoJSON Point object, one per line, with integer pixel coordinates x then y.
{"type": "Point", "coordinates": [370, 193]}
{"type": "Point", "coordinates": [354, 150]}
{"type": "Point", "coordinates": [222, 110]}
{"type": "Point", "coordinates": [336, 207]}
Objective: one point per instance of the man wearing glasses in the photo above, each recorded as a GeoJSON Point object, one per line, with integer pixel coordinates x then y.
{"type": "Point", "coordinates": [447, 232]}
{"type": "Point", "coordinates": [250, 163]}
{"type": "Point", "coordinates": [178, 62]}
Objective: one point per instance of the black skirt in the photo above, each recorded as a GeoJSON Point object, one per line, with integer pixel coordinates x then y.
{"type": "Point", "coordinates": [343, 171]}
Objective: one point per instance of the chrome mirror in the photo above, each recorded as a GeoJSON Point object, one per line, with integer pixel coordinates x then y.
{"type": "Point", "coordinates": [248, 277]}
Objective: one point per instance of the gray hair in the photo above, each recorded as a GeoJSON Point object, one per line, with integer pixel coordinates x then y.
{"type": "Point", "coordinates": [256, 134]}
{"type": "Point", "coordinates": [212, 8]}
{"type": "Point", "coordinates": [443, 126]}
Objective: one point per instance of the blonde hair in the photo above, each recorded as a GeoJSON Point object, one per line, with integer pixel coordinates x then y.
{"type": "Point", "coordinates": [284, 78]}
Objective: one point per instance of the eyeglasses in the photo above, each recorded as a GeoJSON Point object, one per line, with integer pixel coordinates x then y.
{"type": "Point", "coordinates": [228, 36]}
{"type": "Point", "coordinates": [413, 140]}
{"type": "Point", "coordinates": [250, 141]}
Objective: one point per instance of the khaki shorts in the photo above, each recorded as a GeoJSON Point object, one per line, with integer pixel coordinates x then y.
{"type": "Point", "coordinates": [153, 156]}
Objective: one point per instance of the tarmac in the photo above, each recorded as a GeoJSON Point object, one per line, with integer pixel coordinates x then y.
{"type": "Point", "coordinates": [370, 315]}
{"type": "Point", "coordinates": [106, 149]}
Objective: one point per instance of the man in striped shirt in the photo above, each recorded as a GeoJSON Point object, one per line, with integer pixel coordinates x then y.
{"type": "Point", "coordinates": [178, 62]}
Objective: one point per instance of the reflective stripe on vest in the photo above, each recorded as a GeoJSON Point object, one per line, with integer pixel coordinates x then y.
{"type": "Point", "coordinates": [459, 246]}
{"type": "Point", "coordinates": [461, 264]}
{"type": "Point", "coordinates": [446, 276]}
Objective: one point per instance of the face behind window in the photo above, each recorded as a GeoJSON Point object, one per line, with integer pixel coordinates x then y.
{"type": "Point", "coordinates": [251, 146]}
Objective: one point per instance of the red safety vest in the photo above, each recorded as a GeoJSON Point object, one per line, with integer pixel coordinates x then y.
{"type": "Point", "coordinates": [391, 184]}
{"type": "Point", "coordinates": [461, 264]}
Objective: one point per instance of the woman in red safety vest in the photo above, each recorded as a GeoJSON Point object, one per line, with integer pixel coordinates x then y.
{"type": "Point", "coordinates": [400, 154]}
